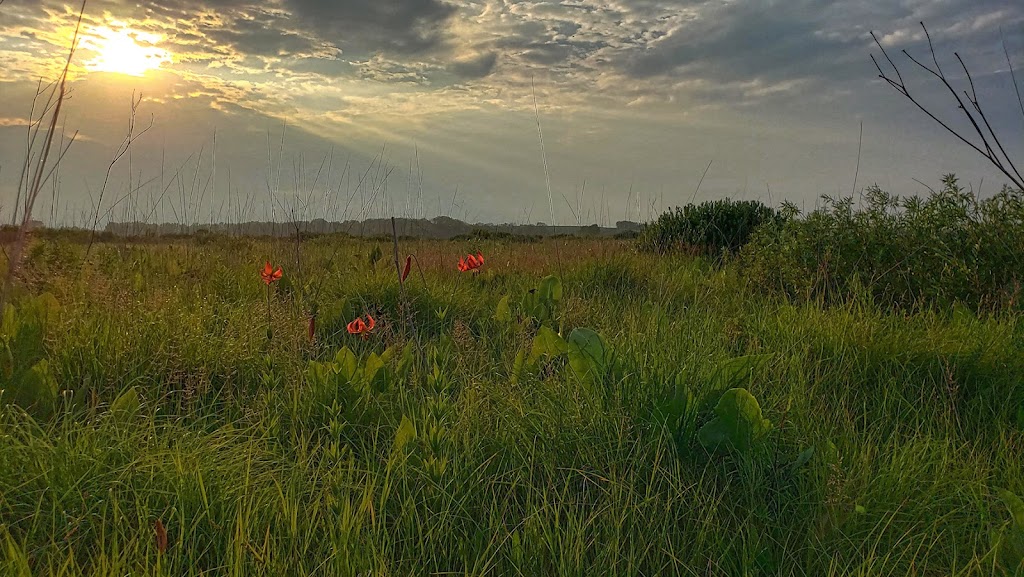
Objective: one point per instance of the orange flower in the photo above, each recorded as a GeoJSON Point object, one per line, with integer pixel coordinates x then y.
{"type": "Point", "coordinates": [471, 262]}
{"type": "Point", "coordinates": [270, 275]}
{"type": "Point", "coordinates": [359, 327]}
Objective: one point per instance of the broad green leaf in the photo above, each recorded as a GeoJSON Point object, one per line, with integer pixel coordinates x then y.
{"type": "Point", "coordinates": [547, 343]}
{"type": "Point", "coordinates": [738, 423]}
{"type": "Point", "coordinates": [126, 405]}
{"type": "Point", "coordinates": [541, 303]}
{"type": "Point", "coordinates": [345, 363]}
{"type": "Point", "coordinates": [589, 356]}
{"type": "Point", "coordinates": [503, 313]}
{"type": "Point", "coordinates": [373, 365]}
{"type": "Point", "coordinates": [551, 289]}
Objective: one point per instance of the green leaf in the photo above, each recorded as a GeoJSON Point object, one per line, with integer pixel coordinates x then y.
{"type": "Point", "coordinates": [319, 374]}
{"type": "Point", "coordinates": [406, 432]}
{"type": "Point", "coordinates": [127, 404]}
{"type": "Point", "coordinates": [547, 343]}
{"type": "Point", "coordinates": [345, 363]}
{"type": "Point", "coordinates": [1010, 540]}
{"type": "Point", "coordinates": [802, 459]}
{"type": "Point", "coordinates": [737, 425]}
{"type": "Point", "coordinates": [39, 386]}
{"type": "Point", "coordinates": [45, 307]}
{"type": "Point", "coordinates": [1015, 505]}
{"type": "Point", "coordinates": [550, 289]}
{"type": "Point", "coordinates": [373, 365]}
{"type": "Point", "coordinates": [589, 356]}
{"type": "Point", "coordinates": [503, 313]}
{"type": "Point", "coordinates": [405, 363]}
{"type": "Point", "coordinates": [542, 302]}
{"type": "Point", "coordinates": [736, 372]}
{"type": "Point", "coordinates": [517, 365]}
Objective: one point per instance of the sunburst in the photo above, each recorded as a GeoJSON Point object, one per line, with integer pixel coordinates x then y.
{"type": "Point", "coordinates": [124, 51]}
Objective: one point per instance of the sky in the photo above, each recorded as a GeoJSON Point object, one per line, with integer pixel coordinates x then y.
{"type": "Point", "coordinates": [579, 111]}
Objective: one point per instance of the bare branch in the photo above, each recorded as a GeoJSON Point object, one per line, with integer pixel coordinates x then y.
{"type": "Point", "coordinates": [980, 123]}
{"type": "Point", "coordinates": [1013, 76]}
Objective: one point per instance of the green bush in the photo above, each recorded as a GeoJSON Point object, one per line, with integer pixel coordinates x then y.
{"type": "Point", "coordinates": [708, 228]}
{"type": "Point", "coordinates": [905, 253]}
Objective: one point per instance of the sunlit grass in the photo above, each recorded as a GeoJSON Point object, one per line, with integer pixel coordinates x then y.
{"type": "Point", "coordinates": [255, 469]}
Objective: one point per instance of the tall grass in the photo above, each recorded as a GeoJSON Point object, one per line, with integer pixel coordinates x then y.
{"type": "Point", "coordinates": [259, 459]}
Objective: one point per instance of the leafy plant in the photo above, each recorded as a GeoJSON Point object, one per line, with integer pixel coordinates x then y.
{"type": "Point", "coordinates": [738, 423]}
{"type": "Point", "coordinates": [1009, 541]}
{"type": "Point", "coordinates": [589, 356]}
{"type": "Point", "coordinates": [541, 303]}
{"type": "Point", "coordinates": [709, 228]}
{"type": "Point", "coordinates": [907, 254]}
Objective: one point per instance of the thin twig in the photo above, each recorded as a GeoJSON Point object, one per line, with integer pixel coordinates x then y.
{"type": "Point", "coordinates": [856, 172]}
{"type": "Point", "coordinates": [701, 181]}
{"type": "Point", "coordinates": [985, 149]}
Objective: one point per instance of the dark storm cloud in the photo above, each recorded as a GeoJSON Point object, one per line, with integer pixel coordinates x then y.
{"type": "Point", "coordinates": [401, 26]}
{"type": "Point", "coordinates": [364, 26]}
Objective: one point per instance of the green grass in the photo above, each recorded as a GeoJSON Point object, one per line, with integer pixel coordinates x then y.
{"type": "Point", "coordinates": [453, 462]}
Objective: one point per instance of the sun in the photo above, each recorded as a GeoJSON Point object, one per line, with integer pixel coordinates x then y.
{"type": "Point", "coordinates": [124, 51]}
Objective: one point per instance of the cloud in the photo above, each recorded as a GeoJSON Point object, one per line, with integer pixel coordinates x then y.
{"type": "Point", "coordinates": [400, 26]}
{"type": "Point", "coordinates": [475, 66]}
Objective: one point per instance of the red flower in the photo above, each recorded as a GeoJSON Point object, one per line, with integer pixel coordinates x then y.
{"type": "Point", "coordinates": [471, 262]}
{"type": "Point", "coordinates": [408, 267]}
{"type": "Point", "coordinates": [359, 327]}
{"type": "Point", "coordinates": [270, 275]}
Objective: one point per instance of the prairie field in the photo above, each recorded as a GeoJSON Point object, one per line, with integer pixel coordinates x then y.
{"type": "Point", "coordinates": [570, 407]}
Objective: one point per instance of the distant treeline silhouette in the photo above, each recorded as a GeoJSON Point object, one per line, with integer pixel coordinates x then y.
{"type": "Point", "coordinates": [441, 227]}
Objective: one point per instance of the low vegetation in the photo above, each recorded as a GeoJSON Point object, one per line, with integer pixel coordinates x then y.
{"type": "Point", "coordinates": [561, 407]}
{"type": "Point", "coordinates": [709, 228]}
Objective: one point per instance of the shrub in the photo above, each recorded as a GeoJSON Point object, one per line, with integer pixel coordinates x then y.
{"type": "Point", "coordinates": [709, 228]}
{"type": "Point", "coordinates": [904, 253]}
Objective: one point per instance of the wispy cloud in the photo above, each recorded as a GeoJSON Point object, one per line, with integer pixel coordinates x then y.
{"type": "Point", "coordinates": [404, 70]}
